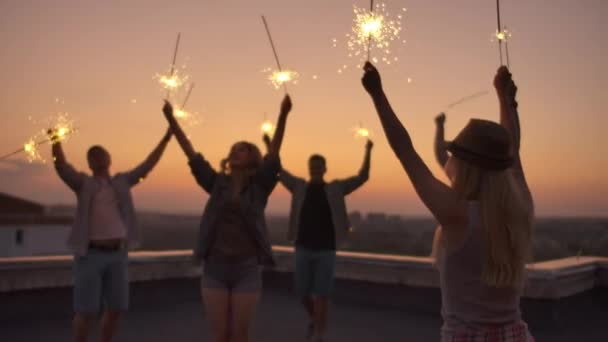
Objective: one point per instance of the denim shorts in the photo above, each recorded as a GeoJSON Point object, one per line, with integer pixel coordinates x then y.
{"type": "Point", "coordinates": [314, 274]}
{"type": "Point", "coordinates": [243, 276]}
{"type": "Point", "coordinates": [101, 281]}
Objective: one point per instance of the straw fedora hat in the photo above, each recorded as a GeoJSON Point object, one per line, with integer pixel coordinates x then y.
{"type": "Point", "coordinates": [485, 144]}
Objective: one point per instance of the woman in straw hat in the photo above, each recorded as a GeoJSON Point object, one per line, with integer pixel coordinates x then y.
{"type": "Point", "coordinates": [486, 217]}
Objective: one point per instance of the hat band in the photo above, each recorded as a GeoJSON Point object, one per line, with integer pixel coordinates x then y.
{"type": "Point", "coordinates": [481, 160]}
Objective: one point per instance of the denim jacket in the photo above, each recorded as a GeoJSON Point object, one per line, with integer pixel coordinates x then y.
{"type": "Point", "coordinates": [253, 199]}
{"type": "Point", "coordinates": [85, 187]}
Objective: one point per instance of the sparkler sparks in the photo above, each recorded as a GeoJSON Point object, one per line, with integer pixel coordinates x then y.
{"type": "Point", "coordinates": [62, 127]}
{"type": "Point", "coordinates": [32, 151]}
{"type": "Point", "coordinates": [173, 82]}
{"type": "Point", "coordinates": [281, 76]}
{"type": "Point", "coordinates": [377, 30]}
{"type": "Point", "coordinates": [176, 77]}
{"type": "Point", "coordinates": [278, 78]}
{"type": "Point", "coordinates": [362, 132]}
{"type": "Point", "coordinates": [504, 35]}
{"type": "Point", "coordinates": [267, 127]}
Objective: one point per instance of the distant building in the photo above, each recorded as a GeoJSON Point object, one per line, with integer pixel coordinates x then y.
{"type": "Point", "coordinates": [376, 219]}
{"type": "Point", "coordinates": [355, 219]}
{"type": "Point", "coordinates": [27, 229]}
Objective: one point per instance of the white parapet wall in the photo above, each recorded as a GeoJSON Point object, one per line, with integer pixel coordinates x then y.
{"type": "Point", "coordinates": [548, 280]}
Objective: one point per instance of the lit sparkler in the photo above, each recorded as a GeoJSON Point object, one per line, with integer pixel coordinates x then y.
{"type": "Point", "coordinates": [502, 35]}
{"type": "Point", "coordinates": [278, 77]}
{"type": "Point", "coordinates": [175, 78]}
{"type": "Point", "coordinates": [374, 28]}
{"type": "Point", "coordinates": [191, 118]}
{"type": "Point", "coordinates": [61, 129]}
{"type": "Point", "coordinates": [362, 132]}
{"type": "Point", "coordinates": [267, 127]}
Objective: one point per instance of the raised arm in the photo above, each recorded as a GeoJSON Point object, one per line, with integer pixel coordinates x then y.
{"type": "Point", "coordinates": [268, 173]}
{"type": "Point", "coordinates": [277, 139]}
{"type": "Point", "coordinates": [441, 153]}
{"type": "Point", "coordinates": [181, 137]}
{"type": "Point", "coordinates": [440, 199]}
{"type": "Point", "coordinates": [509, 118]}
{"type": "Point", "coordinates": [351, 184]}
{"type": "Point", "coordinates": [141, 171]}
{"type": "Point", "coordinates": [266, 139]}
{"type": "Point", "coordinates": [65, 170]}
{"type": "Point", "coordinates": [204, 174]}
{"type": "Point", "coordinates": [289, 181]}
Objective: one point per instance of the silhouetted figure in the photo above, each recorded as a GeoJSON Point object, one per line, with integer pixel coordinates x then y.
{"type": "Point", "coordinates": [105, 227]}
{"type": "Point", "coordinates": [486, 217]}
{"type": "Point", "coordinates": [318, 223]}
{"type": "Point", "coordinates": [233, 243]}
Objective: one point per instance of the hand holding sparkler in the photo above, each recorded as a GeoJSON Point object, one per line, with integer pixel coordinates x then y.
{"type": "Point", "coordinates": [369, 145]}
{"type": "Point", "coordinates": [277, 139]}
{"type": "Point", "coordinates": [371, 79]}
{"type": "Point", "coordinates": [440, 119]}
{"type": "Point", "coordinates": [440, 146]}
{"type": "Point", "coordinates": [505, 86]}
{"type": "Point", "coordinates": [181, 137]}
{"type": "Point", "coordinates": [286, 105]}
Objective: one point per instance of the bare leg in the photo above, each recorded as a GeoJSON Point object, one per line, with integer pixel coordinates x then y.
{"type": "Point", "coordinates": [321, 309]}
{"type": "Point", "coordinates": [109, 325]}
{"type": "Point", "coordinates": [81, 326]}
{"type": "Point", "coordinates": [243, 307]}
{"type": "Point", "coordinates": [308, 304]}
{"type": "Point", "coordinates": [217, 308]}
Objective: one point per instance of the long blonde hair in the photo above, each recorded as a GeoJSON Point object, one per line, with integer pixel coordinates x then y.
{"type": "Point", "coordinates": [506, 216]}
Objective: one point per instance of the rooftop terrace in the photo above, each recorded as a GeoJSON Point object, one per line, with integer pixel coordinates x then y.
{"type": "Point", "coordinates": [378, 298]}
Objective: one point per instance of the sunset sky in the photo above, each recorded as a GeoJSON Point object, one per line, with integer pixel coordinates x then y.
{"type": "Point", "coordinates": [99, 56]}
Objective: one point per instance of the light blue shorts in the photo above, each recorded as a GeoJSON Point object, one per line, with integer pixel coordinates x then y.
{"type": "Point", "coordinates": [314, 274]}
{"type": "Point", "coordinates": [101, 281]}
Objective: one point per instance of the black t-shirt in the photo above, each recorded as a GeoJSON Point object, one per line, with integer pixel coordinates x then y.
{"type": "Point", "coordinates": [316, 228]}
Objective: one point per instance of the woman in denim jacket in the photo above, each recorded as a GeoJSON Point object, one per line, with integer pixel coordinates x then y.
{"type": "Point", "coordinates": [233, 241]}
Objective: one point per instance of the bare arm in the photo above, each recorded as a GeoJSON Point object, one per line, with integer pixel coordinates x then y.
{"type": "Point", "coordinates": [288, 180]}
{"type": "Point", "coordinates": [509, 119]}
{"type": "Point", "coordinates": [202, 171]}
{"type": "Point", "coordinates": [441, 200]}
{"type": "Point", "coordinates": [181, 137]}
{"type": "Point", "coordinates": [353, 183]}
{"type": "Point", "coordinates": [142, 170]}
{"type": "Point", "coordinates": [66, 172]}
{"type": "Point", "coordinates": [441, 153]}
{"type": "Point", "coordinates": [277, 139]}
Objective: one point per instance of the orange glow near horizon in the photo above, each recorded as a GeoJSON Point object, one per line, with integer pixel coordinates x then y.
{"type": "Point", "coordinates": [101, 59]}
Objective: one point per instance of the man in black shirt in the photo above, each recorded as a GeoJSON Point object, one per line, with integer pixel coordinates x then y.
{"type": "Point", "coordinates": [318, 223]}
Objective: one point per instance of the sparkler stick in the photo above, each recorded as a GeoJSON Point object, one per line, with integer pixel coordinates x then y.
{"type": "Point", "coordinates": [188, 95]}
{"type": "Point", "coordinates": [274, 50]}
{"type": "Point", "coordinates": [6, 156]}
{"type": "Point", "coordinates": [507, 47]}
{"type": "Point", "coordinates": [466, 99]}
{"type": "Point", "coordinates": [29, 145]}
{"type": "Point", "coordinates": [369, 38]}
{"type": "Point", "coordinates": [499, 30]}
{"type": "Point", "coordinates": [172, 72]}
